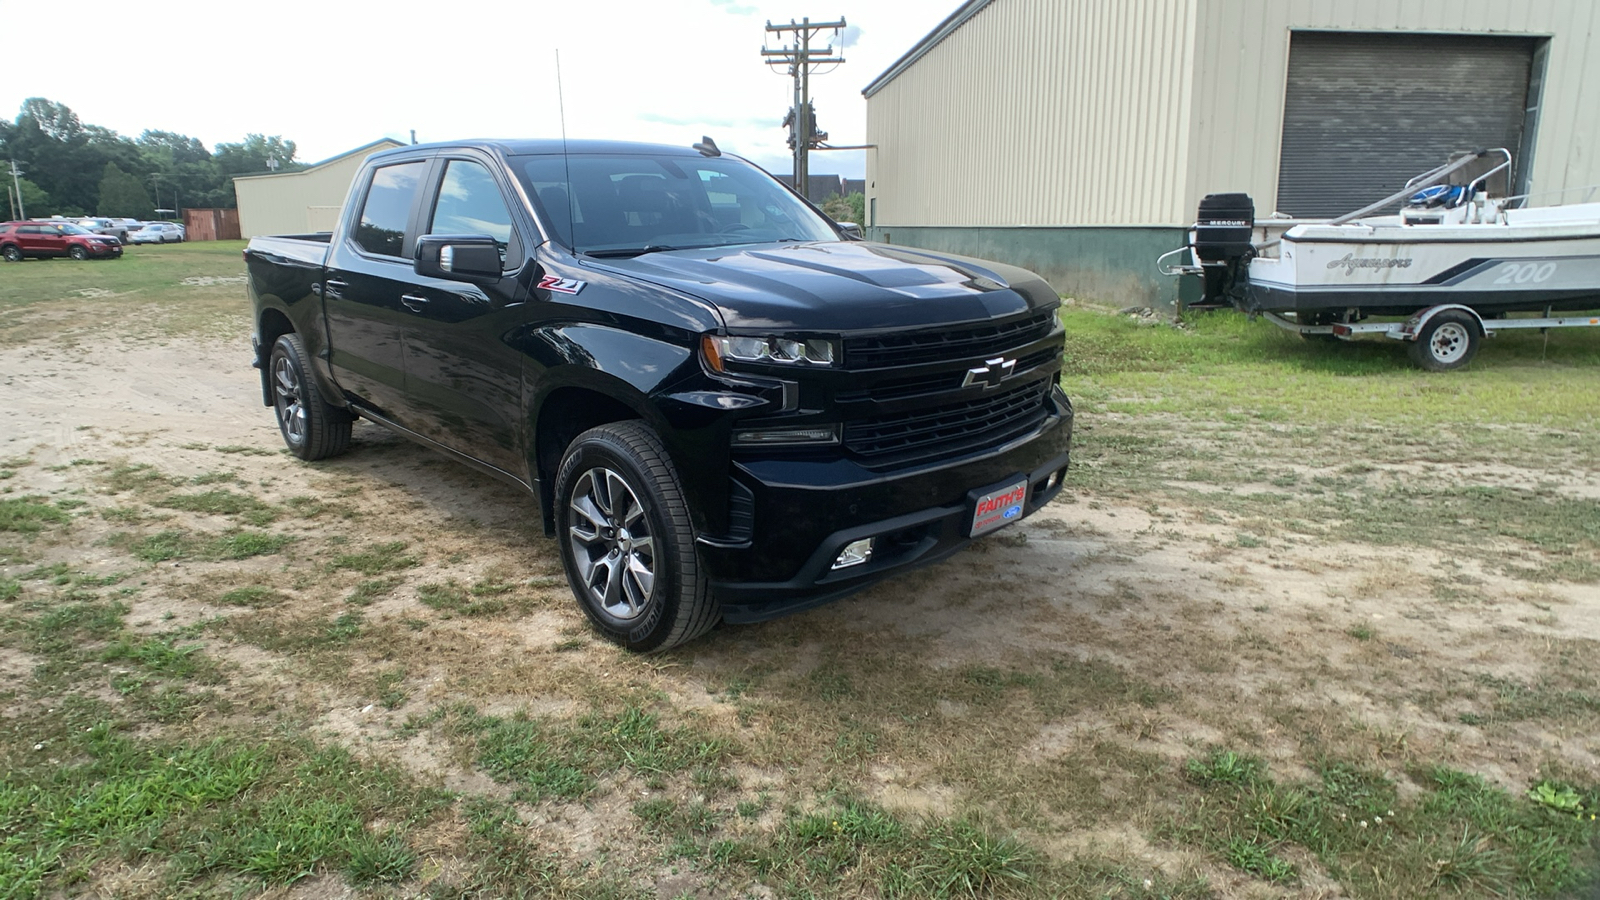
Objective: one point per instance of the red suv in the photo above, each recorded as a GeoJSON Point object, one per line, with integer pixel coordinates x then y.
{"type": "Point", "coordinates": [20, 240]}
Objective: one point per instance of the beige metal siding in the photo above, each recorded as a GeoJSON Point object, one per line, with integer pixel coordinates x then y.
{"type": "Point", "coordinates": [296, 202]}
{"type": "Point", "coordinates": [1040, 112]}
{"type": "Point", "coordinates": [1242, 57]}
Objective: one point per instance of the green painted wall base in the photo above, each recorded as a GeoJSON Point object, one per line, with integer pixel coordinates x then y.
{"type": "Point", "coordinates": [1115, 266]}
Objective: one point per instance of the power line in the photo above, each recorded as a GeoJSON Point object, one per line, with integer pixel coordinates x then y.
{"type": "Point", "coordinates": [801, 61]}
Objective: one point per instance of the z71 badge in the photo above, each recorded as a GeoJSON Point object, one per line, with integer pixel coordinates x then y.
{"type": "Point", "coordinates": [562, 285]}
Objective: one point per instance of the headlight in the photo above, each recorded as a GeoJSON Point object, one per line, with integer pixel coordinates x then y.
{"type": "Point", "coordinates": [720, 349]}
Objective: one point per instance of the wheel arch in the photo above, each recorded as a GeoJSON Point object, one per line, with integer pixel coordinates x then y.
{"type": "Point", "coordinates": [564, 413]}
{"type": "Point", "coordinates": [270, 325]}
{"type": "Point", "coordinates": [1418, 322]}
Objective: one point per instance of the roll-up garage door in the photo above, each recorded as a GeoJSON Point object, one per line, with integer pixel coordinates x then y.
{"type": "Point", "coordinates": [1365, 112]}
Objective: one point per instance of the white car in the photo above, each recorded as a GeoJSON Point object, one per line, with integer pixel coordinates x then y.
{"type": "Point", "coordinates": [157, 233]}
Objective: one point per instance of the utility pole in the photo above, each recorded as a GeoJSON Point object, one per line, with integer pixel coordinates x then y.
{"type": "Point", "coordinates": [22, 211]}
{"type": "Point", "coordinates": [801, 61]}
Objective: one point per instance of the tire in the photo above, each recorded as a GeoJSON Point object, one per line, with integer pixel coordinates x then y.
{"type": "Point", "coordinates": [78, 253]}
{"type": "Point", "coordinates": [1449, 341]}
{"type": "Point", "coordinates": [12, 253]}
{"type": "Point", "coordinates": [648, 595]}
{"type": "Point", "coordinates": [312, 428]}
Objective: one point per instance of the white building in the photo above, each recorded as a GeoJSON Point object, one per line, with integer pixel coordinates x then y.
{"type": "Point", "coordinates": [300, 202]}
{"type": "Point", "coordinates": [1077, 137]}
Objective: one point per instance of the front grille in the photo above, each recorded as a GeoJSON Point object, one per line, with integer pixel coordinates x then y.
{"type": "Point", "coordinates": [916, 347]}
{"type": "Point", "coordinates": [948, 429]}
{"type": "Point", "coordinates": [938, 383]}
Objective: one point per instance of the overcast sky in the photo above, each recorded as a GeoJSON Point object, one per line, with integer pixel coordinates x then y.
{"type": "Point", "coordinates": [334, 74]}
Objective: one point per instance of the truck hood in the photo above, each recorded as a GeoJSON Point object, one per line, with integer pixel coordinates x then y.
{"type": "Point", "coordinates": [839, 286]}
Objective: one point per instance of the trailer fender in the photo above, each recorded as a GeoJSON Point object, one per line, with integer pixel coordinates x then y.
{"type": "Point", "coordinates": [1419, 321]}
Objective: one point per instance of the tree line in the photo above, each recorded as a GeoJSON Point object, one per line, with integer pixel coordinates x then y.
{"type": "Point", "coordinates": [73, 169]}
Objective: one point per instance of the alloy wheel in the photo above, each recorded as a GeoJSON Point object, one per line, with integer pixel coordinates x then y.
{"type": "Point", "coordinates": [612, 544]}
{"type": "Point", "coordinates": [288, 398]}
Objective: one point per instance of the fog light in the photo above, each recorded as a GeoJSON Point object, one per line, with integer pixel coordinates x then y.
{"type": "Point", "coordinates": [767, 437]}
{"type": "Point", "coordinates": [854, 554]}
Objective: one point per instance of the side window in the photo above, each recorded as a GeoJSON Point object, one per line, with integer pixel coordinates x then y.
{"type": "Point", "coordinates": [382, 229]}
{"type": "Point", "coordinates": [470, 202]}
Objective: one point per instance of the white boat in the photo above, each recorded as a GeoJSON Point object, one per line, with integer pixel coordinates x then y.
{"type": "Point", "coordinates": [1455, 259]}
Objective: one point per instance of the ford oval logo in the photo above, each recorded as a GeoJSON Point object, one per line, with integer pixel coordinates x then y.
{"type": "Point", "coordinates": [1013, 512]}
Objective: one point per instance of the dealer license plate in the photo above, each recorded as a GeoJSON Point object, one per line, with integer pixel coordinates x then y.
{"type": "Point", "coordinates": [999, 507]}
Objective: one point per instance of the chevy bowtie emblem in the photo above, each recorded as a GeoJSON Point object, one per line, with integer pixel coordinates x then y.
{"type": "Point", "coordinates": [991, 373]}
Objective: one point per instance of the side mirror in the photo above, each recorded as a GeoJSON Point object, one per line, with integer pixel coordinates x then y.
{"type": "Point", "coordinates": [473, 258]}
{"type": "Point", "coordinates": [852, 231]}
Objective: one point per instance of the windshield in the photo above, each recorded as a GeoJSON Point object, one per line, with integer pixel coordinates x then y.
{"type": "Point", "coordinates": [626, 205]}
{"type": "Point", "coordinates": [69, 228]}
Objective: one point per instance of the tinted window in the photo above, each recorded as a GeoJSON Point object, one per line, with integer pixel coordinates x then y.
{"type": "Point", "coordinates": [624, 203]}
{"type": "Point", "coordinates": [383, 217]}
{"type": "Point", "coordinates": [470, 203]}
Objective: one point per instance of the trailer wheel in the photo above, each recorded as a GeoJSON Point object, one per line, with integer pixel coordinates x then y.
{"type": "Point", "coordinates": [1447, 342]}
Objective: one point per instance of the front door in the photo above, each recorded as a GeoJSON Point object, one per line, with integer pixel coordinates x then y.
{"type": "Point", "coordinates": [464, 382]}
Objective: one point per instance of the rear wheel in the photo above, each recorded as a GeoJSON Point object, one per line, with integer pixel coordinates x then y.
{"type": "Point", "coordinates": [1447, 342]}
{"type": "Point", "coordinates": [627, 542]}
{"type": "Point", "coordinates": [11, 253]}
{"type": "Point", "coordinates": [312, 428]}
{"type": "Point", "coordinates": [78, 253]}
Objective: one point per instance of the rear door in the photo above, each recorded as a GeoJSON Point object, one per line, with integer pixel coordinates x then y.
{"type": "Point", "coordinates": [465, 383]}
{"type": "Point", "coordinates": [52, 241]}
{"type": "Point", "coordinates": [369, 270]}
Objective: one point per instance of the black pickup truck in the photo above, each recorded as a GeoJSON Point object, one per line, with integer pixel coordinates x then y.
{"type": "Point", "coordinates": [727, 407]}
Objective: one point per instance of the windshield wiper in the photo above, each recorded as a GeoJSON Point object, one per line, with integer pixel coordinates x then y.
{"type": "Point", "coordinates": [616, 252]}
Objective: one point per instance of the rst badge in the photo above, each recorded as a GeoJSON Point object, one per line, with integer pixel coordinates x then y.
{"type": "Point", "coordinates": [562, 285]}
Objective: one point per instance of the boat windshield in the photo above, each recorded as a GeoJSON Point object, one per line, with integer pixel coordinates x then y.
{"type": "Point", "coordinates": [626, 205]}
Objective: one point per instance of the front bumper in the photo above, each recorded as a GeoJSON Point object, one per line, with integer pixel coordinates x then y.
{"type": "Point", "coordinates": [804, 515]}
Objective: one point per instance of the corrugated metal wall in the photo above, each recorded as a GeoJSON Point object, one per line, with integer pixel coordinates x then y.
{"type": "Point", "coordinates": [1040, 112]}
{"type": "Point", "coordinates": [1242, 58]}
{"type": "Point", "coordinates": [1125, 112]}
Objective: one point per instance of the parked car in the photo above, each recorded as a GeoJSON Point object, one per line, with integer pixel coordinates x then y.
{"type": "Point", "coordinates": [157, 233]}
{"type": "Point", "coordinates": [42, 239]}
{"type": "Point", "coordinates": [727, 409]}
{"type": "Point", "coordinates": [112, 227]}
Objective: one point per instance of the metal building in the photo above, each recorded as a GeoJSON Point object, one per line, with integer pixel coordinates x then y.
{"type": "Point", "coordinates": [1076, 137]}
{"type": "Point", "coordinates": [304, 201]}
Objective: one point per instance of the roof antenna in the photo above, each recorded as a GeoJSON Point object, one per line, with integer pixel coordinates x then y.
{"type": "Point", "coordinates": [707, 146]}
{"type": "Point", "coordinates": [566, 161]}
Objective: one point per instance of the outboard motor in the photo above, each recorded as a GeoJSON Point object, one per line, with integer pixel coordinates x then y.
{"type": "Point", "coordinates": [1222, 244]}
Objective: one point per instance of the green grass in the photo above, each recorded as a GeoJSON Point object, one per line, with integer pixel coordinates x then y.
{"type": "Point", "coordinates": [376, 559]}
{"type": "Point", "coordinates": [222, 503]}
{"type": "Point", "coordinates": [158, 291]}
{"type": "Point", "coordinates": [1455, 832]}
{"type": "Point", "coordinates": [29, 515]}
{"type": "Point", "coordinates": [174, 544]}
{"type": "Point", "coordinates": [545, 758]}
{"type": "Point", "coordinates": [1222, 364]}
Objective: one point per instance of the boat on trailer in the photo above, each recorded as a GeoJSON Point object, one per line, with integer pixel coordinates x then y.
{"type": "Point", "coordinates": [1456, 260]}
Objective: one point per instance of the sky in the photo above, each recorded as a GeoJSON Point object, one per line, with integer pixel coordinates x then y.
{"type": "Point", "coordinates": [335, 74]}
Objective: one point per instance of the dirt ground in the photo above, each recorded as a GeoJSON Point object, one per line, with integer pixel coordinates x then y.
{"type": "Point", "coordinates": [1384, 653]}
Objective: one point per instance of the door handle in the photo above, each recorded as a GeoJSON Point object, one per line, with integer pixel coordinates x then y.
{"type": "Point", "coordinates": [335, 287]}
{"type": "Point", "coordinates": [414, 302]}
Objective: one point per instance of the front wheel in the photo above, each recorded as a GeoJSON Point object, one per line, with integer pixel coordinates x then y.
{"type": "Point", "coordinates": [1447, 342]}
{"type": "Point", "coordinates": [627, 542]}
{"type": "Point", "coordinates": [312, 428]}
{"type": "Point", "coordinates": [78, 253]}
